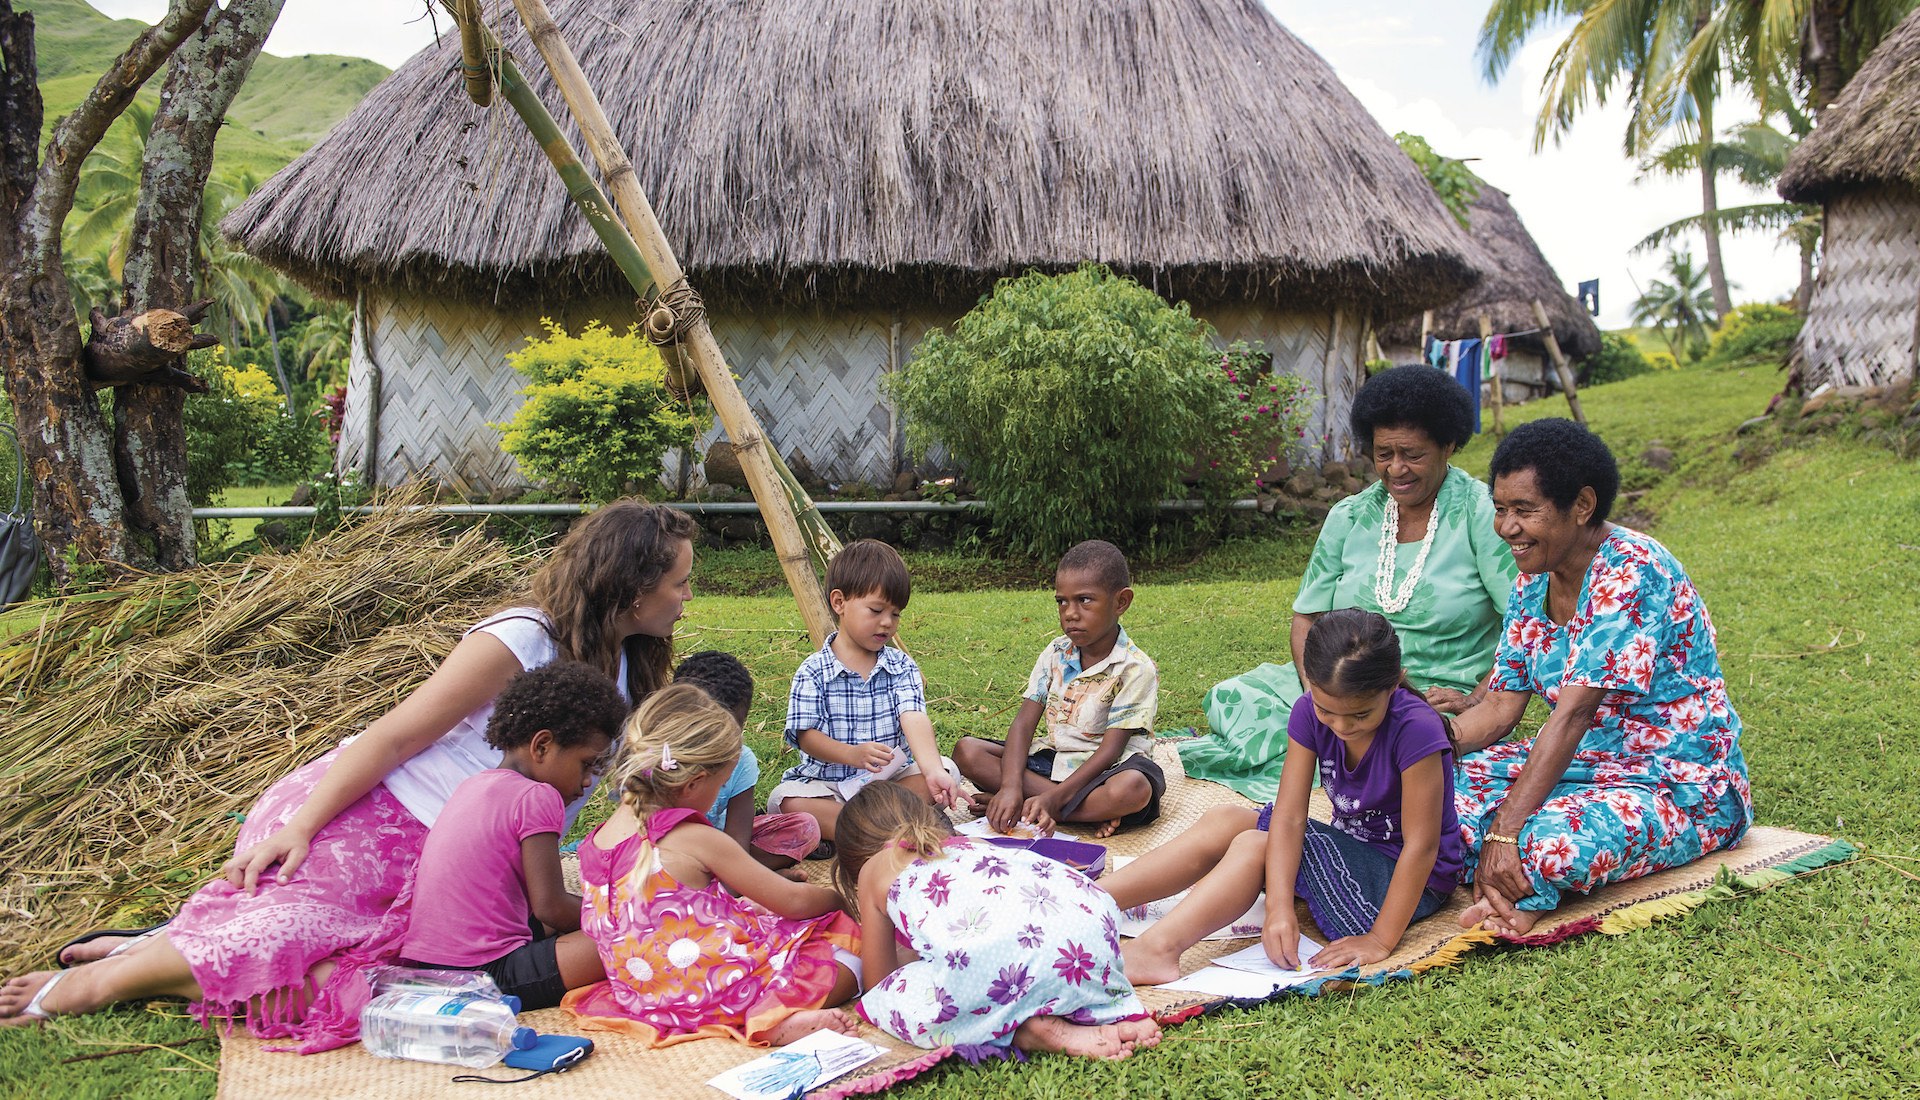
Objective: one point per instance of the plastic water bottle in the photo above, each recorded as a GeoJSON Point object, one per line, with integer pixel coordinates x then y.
{"type": "Point", "coordinates": [394, 978]}
{"type": "Point", "coordinates": [460, 1030]}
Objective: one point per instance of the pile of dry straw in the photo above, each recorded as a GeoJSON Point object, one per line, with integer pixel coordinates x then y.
{"type": "Point", "coordinates": [138, 725]}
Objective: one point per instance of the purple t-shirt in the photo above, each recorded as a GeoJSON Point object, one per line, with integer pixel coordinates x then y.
{"type": "Point", "coordinates": [1366, 797]}
{"type": "Point", "coordinates": [470, 895]}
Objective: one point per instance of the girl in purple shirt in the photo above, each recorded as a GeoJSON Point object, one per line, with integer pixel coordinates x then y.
{"type": "Point", "coordinates": [1392, 853]}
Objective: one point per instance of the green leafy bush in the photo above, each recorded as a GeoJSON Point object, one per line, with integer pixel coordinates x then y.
{"type": "Point", "coordinates": [1758, 331]}
{"type": "Point", "coordinates": [240, 433]}
{"type": "Point", "coordinates": [599, 415]}
{"type": "Point", "coordinates": [1077, 402]}
{"type": "Point", "coordinates": [1618, 358]}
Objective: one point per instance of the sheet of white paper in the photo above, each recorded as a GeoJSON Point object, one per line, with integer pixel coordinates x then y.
{"type": "Point", "coordinates": [1253, 960]}
{"type": "Point", "coordinates": [851, 786]}
{"type": "Point", "coordinates": [799, 1066]}
{"type": "Point", "coordinates": [980, 827]}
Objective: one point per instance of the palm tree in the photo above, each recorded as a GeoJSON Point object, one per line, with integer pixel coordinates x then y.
{"type": "Point", "coordinates": [1756, 153]}
{"type": "Point", "coordinates": [102, 221]}
{"type": "Point", "coordinates": [325, 344]}
{"type": "Point", "coordinates": [1682, 307]}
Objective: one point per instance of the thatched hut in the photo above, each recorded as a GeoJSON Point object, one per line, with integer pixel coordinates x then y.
{"type": "Point", "coordinates": [1513, 274]}
{"type": "Point", "coordinates": [1862, 164]}
{"type": "Point", "coordinates": [840, 176]}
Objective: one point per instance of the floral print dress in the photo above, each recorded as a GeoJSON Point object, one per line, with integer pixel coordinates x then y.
{"type": "Point", "coordinates": [1659, 779]}
{"type": "Point", "coordinates": [1002, 936]}
{"type": "Point", "coordinates": [686, 963]}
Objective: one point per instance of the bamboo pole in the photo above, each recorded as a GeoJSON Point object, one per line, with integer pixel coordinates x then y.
{"type": "Point", "coordinates": [1493, 371]}
{"type": "Point", "coordinates": [779, 494]}
{"type": "Point", "coordinates": [473, 52]}
{"type": "Point", "coordinates": [1559, 361]}
{"type": "Point", "coordinates": [646, 259]}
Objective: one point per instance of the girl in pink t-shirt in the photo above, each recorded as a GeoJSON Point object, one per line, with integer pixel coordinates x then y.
{"type": "Point", "coordinates": [489, 893]}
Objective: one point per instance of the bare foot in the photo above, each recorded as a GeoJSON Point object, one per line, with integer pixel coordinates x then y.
{"type": "Point", "coordinates": [1475, 913]}
{"type": "Point", "coordinates": [1148, 964]}
{"type": "Point", "coordinates": [94, 949]}
{"type": "Point", "coordinates": [793, 874]}
{"type": "Point", "coordinates": [1055, 1035]}
{"type": "Point", "coordinates": [19, 992]}
{"type": "Point", "coordinates": [802, 1024]}
{"type": "Point", "coordinates": [1519, 924]}
{"type": "Point", "coordinates": [1142, 1033]}
{"type": "Point", "coordinates": [1107, 828]}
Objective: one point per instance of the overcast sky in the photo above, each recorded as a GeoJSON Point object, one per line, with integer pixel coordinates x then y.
{"type": "Point", "coordinates": [1410, 62]}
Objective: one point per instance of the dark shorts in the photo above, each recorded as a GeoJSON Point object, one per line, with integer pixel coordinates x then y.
{"type": "Point", "coordinates": [1344, 880]}
{"type": "Point", "coordinates": [1040, 763]}
{"type": "Point", "coordinates": [530, 972]}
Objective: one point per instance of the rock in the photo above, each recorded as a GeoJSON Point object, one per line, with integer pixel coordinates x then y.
{"type": "Point", "coordinates": [1301, 484]}
{"type": "Point", "coordinates": [933, 539]}
{"type": "Point", "coordinates": [1328, 493]}
{"type": "Point", "coordinates": [1658, 457]}
{"type": "Point", "coordinates": [1359, 467]}
{"type": "Point", "coordinates": [904, 482]}
{"type": "Point", "coordinates": [720, 490]}
{"type": "Point", "coordinates": [302, 495]}
{"type": "Point", "coordinates": [1751, 423]}
{"type": "Point", "coordinates": [1351, 485]}
{"type": "Point", "coordinates": [871, 525]}
{"type": "Point", "coordinates": [1333, 472]}
{"type": "Point", "coordinates": [274, 533]}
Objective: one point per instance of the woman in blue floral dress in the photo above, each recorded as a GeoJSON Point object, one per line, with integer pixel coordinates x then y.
{"type": "Point", "coordinates": [1639, 767]}
{"type": "Point", "coordinates": [970, 945]}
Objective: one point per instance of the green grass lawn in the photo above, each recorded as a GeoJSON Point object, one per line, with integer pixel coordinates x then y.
{"type": "Point", "coordinates": [1809, 561]}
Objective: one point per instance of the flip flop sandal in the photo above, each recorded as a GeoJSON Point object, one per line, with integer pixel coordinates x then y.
{"type": "Point", "coordinates": [132, 935]}
{"type": "Point", "coordinates": [33, 1009]}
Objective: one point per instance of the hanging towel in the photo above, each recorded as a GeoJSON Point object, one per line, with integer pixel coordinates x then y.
{"type": "Point", "coordinates": [1466, 371]}
{"type": "Point", "coordinates": [1436, 352]}
{"type": "Point", "coordinates": [1496, 353]}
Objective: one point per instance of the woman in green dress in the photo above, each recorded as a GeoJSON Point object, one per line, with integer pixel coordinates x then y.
{"type": "Point", "coordinates": [1444, 586]}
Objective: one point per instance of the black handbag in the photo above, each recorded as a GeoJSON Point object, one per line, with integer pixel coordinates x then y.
{"type": "Point", "coordinates": [19, 545]}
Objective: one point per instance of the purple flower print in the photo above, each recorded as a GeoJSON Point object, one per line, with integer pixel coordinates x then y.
{"type": "Point", "coordinates": [897, 1024]}
{"type": "Point", "coordinates": [948, 1010]}
{"type": "Point", "coordinates": [936, 888]}
{"type": "Point", "coordinates": [1074, 964]}
{"type": "Point", "coordinates": [991, 866]}
{"type": "Point", "coordinates": [1042, 869]}
{"type": "Point", "coordinates": [1039, 899]}
{"type": "Point", "coordinates": [1031, 935]}
{"type": "Point", "coordinates": [957, 959]}
{"type": "Point", "coordinates": [1112, 932]}
{"type": "Point", "coordinates": [1011, 985]}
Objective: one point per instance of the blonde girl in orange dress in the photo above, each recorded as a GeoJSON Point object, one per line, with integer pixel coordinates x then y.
{"type": "Point", "coordinates": [685, 957]}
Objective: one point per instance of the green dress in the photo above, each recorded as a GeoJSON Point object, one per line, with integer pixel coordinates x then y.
{"type": "Point", "coordinates": [1448, 630]}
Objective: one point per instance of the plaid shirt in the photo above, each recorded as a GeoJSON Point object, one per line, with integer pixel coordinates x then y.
{"type": "Point", "coordinates": [832, 698]}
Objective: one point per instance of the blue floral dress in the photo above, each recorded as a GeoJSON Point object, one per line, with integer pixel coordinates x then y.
{"type": "Point", "coordinates": [1003, 936]}
{"type": "Point", "coordinates": [1658, 780]}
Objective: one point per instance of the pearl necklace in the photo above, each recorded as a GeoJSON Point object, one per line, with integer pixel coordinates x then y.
{"type": "Point", "coordinates": [1383, 592]}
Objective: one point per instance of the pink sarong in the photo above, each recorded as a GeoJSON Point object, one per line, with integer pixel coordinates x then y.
{"type": "Point", "coordinates": [790, 835]}
{"type": "Point", "coordinates": [347, 904]}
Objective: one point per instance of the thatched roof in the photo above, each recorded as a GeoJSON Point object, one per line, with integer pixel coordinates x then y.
{"type": "Point", "coordinates": [1871, 134]}
{"type": "Point", "coordinates": [886, 149]}
{"type": "Point", "coordinates": [1513, 273]}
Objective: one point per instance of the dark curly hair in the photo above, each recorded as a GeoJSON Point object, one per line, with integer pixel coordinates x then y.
{"type": "Point", "coordinates": [720, 675]}
{"type": "Point", "coordinates": [1413, 396]}
{"type": "Point", "coordinates": [1103, 559]}
{"type": "Point", "coordinates": [1564, 458]}
{"type": "Point", "coordinates": [573, 701]}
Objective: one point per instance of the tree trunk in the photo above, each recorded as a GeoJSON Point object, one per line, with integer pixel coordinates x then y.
{"type": "Point", "coordinates": [1803, 294]}
{"type": "Point", "coordinates": [1710, 213]}
{"type": "Point", "coordinates": [69, 448]}
{"type": "Point", "coordinates": [150, 438]}
{"type": "Point", "coordinates": [1821, 56]}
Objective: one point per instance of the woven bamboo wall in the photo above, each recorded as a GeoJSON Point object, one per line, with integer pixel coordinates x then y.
{"type": "Point", "coordinates": [1861, 326]}
{"type": "Point", "coordinates": [811, 377]}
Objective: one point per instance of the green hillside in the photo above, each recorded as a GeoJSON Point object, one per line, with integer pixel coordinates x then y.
{"type": "Point", "coordinates": [287, 104]}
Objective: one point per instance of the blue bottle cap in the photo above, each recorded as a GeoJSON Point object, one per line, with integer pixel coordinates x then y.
{"type": "Point", "coordinates": [524, 1038]}
{"type": "Point", "coordinates": [512, 1003]}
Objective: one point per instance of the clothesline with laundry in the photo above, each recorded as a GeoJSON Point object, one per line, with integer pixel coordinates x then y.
{"type": "Point", "coordinates": [1472, 361]}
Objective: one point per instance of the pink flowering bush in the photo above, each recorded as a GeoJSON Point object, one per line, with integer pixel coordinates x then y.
{"type": "Point", "coordinates": [1263, 417]}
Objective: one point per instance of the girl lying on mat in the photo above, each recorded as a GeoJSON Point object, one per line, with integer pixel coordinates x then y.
{"type": "Point", "coordinates": [970, 945]}
{"type": "Point", "coordinates": [1639, 767]}
{"type": "Point", "coordinates": [684, 957]}
{"type": "Point", "coordinates": [1390, 857]}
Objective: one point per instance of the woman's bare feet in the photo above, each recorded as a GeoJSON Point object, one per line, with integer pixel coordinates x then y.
{"type": "Point", "coordinates": [95, 949]}
{"type": "Point", "coordinates": [1148, 963]}
{"type": "Point", "coordinates": [17, 1008]}
{"type": "Point", "coordinates": [1054, 1035]}
{"type": "Point", "coordinates": [1142, 1033]}
{"type": "Point", "coordinates": [1475, 913]}
{"type": "Point", "coordinates": [1519, 924]}
{"type": "Point", "coordinates": [1107, 829]}
{"type": "Point", "coordinates": [802, 1024]}
{"type": "Point", "coordinates": [1486, 911]}
{"type": "Point", "coordinates": [795, 873]}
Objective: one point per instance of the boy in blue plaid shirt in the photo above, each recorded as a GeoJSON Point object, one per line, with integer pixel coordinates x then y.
{"type": "Point", "coordinates": [858, 709]}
